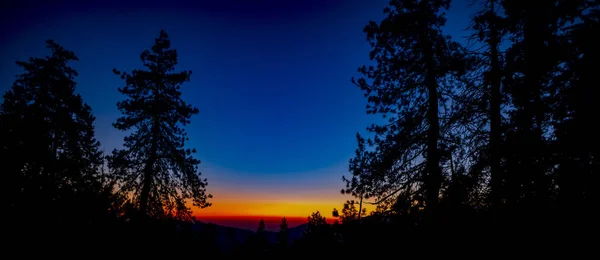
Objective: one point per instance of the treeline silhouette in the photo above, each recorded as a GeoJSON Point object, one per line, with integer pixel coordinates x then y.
{"type": "Point", "coordinates": [483, 144]}
{"type": "Point", "coordinates": [489, 138]}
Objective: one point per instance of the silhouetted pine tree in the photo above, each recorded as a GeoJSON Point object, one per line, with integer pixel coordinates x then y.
{"type": "Point", "coordinates": [489, 28]}
{"type": "Point", "coordinates": [317, 230]}
{"type": "Point", "coordinates": [350, 213]}
{"type": "Point", "coordinates": [514, 132]}
{"type": "Point", "coordinates": [577, 145]}
{"type": "Point", "coordinates": [533, 60]}
{"type": "Point", "coordinates": [528, 62]}
{"type": "Point", "coordinates": [50, 156]}
{"type": "Point", "coordinates": [415, 66]}
{"type": "Point", "coordinates": [154, 164]}
{"type": "Point", "coordinates": [261, 242]}
{"type": "Point", "coordinates": [316, 223]}
{"type": "Point", "coordinates": [284, 234]}
{"type": "Point", "coordinates": [261, 227]}
{"type": "Point", "coordinates": [362, 183]}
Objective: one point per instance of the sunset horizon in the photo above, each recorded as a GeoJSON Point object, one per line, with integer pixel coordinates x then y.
{"type": "Point", "coordinates": [251, 222]}
{"type": "Point", "coordinates": [258, 161]}
{"type": "Point", "coordinates": [247, 212]}
{"type": "Point", "coordinates": [281, 129]}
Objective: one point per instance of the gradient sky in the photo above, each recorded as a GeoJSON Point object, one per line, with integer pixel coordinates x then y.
{"type": "Point", "coordinates": [278, 113]}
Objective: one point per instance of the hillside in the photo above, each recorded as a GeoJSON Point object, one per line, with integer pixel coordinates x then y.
{"type": "Point", "coordinates": [227, 237]}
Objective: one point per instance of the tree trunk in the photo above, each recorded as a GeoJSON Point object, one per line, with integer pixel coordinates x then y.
{"type": "Point", "coordinates": [360, 208]}
{"type": "Point", "coordinates": [433, 181]}
{"type": "Point", "coordinates": [148, 175]}
{"type": "Point", "coordinates": [149, 168]}
{"type": "Point", "coordinates": [495, 120]}
{"type": "Point", "coordinates": [433, 175]}
{"type": "Point", "coordinates": [534, 35]}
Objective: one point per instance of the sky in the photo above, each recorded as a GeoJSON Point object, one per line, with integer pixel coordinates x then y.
{"type": "Point", "coordinates": [278, 112]}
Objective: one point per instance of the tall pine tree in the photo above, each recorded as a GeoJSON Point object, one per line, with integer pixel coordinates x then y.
{"type": "Point", "coordinates": [154, 165]}
{"type": "Point", "coordinates": [415, 62]}
{"type": "Point", "coordinates": [576, 144]}
{"type": "Point", "coordinates": [49, 152]}
{"type": "Point", "coordinates": [284, 233]}
{"type": "Point", "coordinates": [489, 27]}
{"type": "Point", "coordinates": [533, 60]}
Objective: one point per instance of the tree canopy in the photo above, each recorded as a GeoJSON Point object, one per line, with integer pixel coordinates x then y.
{"type": "Point", "coordinates": [154, 165]}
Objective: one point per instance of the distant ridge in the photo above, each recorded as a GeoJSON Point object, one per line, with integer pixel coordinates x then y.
{"type": "Point", "coordinates": [228, 237]}
{"type": "Point", "coordinates": [251, 222]}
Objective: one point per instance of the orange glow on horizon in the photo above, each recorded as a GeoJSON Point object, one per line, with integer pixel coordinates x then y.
{"type": "Point", "coordinates": [276, 196]}
{"type": "Point", "coordinates": [267, 206]}
{"type": "Point", "coordinates": [246, 208]}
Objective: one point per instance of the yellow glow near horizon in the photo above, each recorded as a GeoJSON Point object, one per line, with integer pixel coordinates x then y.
{"type": "Point", "coordinates": [274, 207]}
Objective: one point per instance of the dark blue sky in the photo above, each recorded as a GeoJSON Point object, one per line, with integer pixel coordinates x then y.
{"type": "Point", "coordinates": [271, 78]}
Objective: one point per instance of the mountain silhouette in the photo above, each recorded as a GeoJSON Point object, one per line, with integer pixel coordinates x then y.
{"type": "Point", "coordinates": [227, 237]}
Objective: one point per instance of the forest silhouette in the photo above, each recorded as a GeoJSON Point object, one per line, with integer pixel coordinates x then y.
{"type": "Point", "coordinates": [488, 144]}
